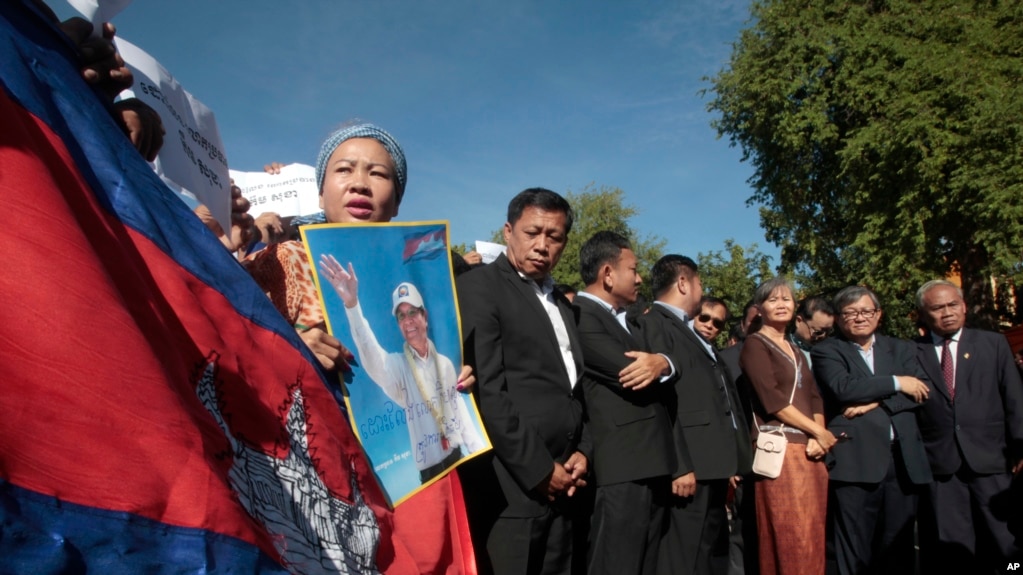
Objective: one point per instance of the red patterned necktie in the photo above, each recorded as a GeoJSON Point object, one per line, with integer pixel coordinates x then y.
{"type": "Point", "coordinates": [948, 370]}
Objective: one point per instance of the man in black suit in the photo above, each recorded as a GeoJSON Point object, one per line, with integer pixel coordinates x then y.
{"type": "Point", "coordinates": [743, 554]}
{"type": "Point", "coordinates": [973, 431]}
{"type": "Point", "coordinates": [520, 338]}
{"type": "Point", "coordinates": [872, 385]}
{"type": "Point", "coordinates": [624, 390]}
{"type": "Point", "coordinates": [712, 442]}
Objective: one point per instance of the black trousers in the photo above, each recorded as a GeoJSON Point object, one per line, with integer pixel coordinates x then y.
{"type": "Point", "coordinates": [965, 528]}
{"type": "Point", "coordinates": [696, 526]}
{"type": "Point", "coordinates": [532, 545]}
{"type": "Point", "coordinates": [873, 523]}
{"type": "Point", "coordinates": [627, 525]}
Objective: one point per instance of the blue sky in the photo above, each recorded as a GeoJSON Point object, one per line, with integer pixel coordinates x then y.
{"type": "Point", "coordinates": [486, 97]}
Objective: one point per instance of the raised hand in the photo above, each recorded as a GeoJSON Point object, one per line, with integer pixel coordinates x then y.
{"type": "Point", "coordinates": [344, 281]}
{"type": "Point", "coordinates": [101, 64]}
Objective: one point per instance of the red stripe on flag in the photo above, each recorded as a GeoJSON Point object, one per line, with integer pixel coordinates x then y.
{"type": "Point", "coordinates": [413, 245]}
{"type": "Point", "coordinates": [104, 336]}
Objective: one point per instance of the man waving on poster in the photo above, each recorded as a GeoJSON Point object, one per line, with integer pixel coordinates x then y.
{"type": "Point", "coordinates": [420, 380]}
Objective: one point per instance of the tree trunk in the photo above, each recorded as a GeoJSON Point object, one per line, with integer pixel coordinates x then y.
{"type": "Point", "coordinates": [981, 311]}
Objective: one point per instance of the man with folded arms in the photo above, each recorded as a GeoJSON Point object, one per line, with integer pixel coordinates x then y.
{"type": "Point", "coordinates": [872, 385]}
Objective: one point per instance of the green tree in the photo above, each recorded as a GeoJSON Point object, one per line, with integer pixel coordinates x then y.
{"type": "Point", "coordinates": [887, 142]}
{"type": "Point", "coordinates": [736, 278]}
{"type": "Point", "coordinates": [597, 209]}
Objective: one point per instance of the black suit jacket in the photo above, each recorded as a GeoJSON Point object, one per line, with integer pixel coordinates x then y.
{"type": "Point", "coordinates": [985, 422]}
{"type": "Point", "coordinates": [630, 430]}
{"type": "Point", "coordinates": [845, 379]}
{"type": "Point", "coordinates": [531, 412]}
{"type": "Point", "coordinates": [706, 441]}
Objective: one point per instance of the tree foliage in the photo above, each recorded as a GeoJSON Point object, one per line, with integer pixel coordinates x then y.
{"type": "Point", "coordinates": [887, 141]}
{"type": "Point", "coordinates": [736, 278]}
{"type": "Point", "coordinates": [598, 209]}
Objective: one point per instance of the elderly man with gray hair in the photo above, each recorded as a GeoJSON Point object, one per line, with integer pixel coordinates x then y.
{"type": "Point", "coordinates": [872, 386]}
{"type": "Point", "coordinates": [973, 431]}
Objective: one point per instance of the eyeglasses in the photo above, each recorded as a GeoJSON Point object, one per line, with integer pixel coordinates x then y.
{"type": "Point", "coordinates": [705, 317]}
{"type": "Point", "coordinates": [821, 333]}
{"type": "Point", "coordinates": [410, 314]}
{"type": "Point", "coordinates": [855, 313]}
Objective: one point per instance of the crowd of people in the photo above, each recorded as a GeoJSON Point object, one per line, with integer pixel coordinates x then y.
{"type": "Point", "coordinates": [910, 443]}
{"type": "Point", "coordinates": [624, 442]}
{"type": "Point", "coordinates": [890, 444]}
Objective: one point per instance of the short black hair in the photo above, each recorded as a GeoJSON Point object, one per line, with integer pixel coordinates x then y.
{"type": "Point", "coordinates": [811, 305]}
{"type": "Point", "coordinates": [543, 199]}
{"type": "Point", "coordinates": [715, 301]}
{"type": "Point", "coordinates": [602, 248]}
{"type": "Point", "coordinates": [668, 269]}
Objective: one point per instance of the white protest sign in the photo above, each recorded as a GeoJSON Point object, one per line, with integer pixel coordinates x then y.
{"type": "Point", "coordinates": [489, 250]}
{"type": "Point", "coordinates": [98, 11]}
{"type": "Point", "coordinates": [192, 155]}
{"type": "Point", "coordinates": [290, 193]}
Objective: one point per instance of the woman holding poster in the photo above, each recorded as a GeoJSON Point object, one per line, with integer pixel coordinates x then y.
{"type": "Point", "coordinates": [361, 176]}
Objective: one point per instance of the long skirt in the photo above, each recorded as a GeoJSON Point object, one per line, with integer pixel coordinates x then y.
{"type": "Point", "coordinates": [791, 516]}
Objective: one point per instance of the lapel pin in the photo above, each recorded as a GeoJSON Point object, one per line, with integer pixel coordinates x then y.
{"type": "Point", "coordinates": [966, 356]}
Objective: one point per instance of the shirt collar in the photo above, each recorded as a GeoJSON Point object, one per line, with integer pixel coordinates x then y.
{"type": "Point", "coordinates": [602, 303]}
{"type": "Point", "coordinates": [803, 345]}
{"type": "Point", "coordinates": [416, 355]}
{"type": "Point", "coordinates": [873, 340]}
{"type": "Point", "coordinates": [545, 287]}
{"type": "Point", "coordinates": [679, 312]}
{"type": "Point", "coordinates": [940, 339]}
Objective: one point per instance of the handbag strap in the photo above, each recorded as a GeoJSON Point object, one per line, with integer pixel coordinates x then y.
{"type": "Point", "coordinates": [796, 373]}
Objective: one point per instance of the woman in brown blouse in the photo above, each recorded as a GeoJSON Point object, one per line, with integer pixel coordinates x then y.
{"type": "Point", "coordinates": [791, 508]}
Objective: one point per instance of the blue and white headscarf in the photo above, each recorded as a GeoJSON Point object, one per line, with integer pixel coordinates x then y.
{"type": "Point", "coordinates": [364, 130]}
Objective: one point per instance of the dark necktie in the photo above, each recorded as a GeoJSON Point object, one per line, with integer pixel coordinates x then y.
{"type": "Point", "coordinates": [948, 370]}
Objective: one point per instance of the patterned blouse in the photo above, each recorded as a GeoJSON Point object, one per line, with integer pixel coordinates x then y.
{"type": "Point", "coordinates": [284, 274]}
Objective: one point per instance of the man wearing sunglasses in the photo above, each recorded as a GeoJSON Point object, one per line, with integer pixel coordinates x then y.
{"type": "Point", "coordinates": [813, 323]}
{"type": "Point", "coordinates": [711, 320]}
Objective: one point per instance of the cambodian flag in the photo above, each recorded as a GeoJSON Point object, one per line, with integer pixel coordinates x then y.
{"type": "Point", "coordinates": [424, 245]}
{"type": "Point", "coordinates": [157, 414]}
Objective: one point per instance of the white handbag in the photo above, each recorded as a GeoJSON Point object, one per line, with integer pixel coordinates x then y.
{"type": "Point", "coordinates": [770, 454]}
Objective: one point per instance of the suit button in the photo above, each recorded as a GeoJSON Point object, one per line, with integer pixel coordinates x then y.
{"type": "Point", "coordinates": [957, 427]}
